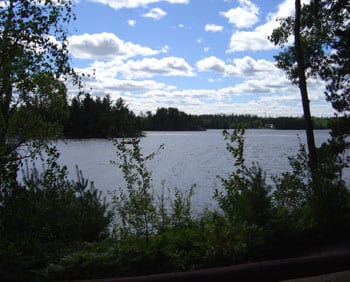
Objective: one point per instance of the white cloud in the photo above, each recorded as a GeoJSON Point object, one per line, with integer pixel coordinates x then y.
{"type": "Point", "coordinates": [128, 85]}
{"type": "Point", "coordinates": [269, 84]}
{"type": "Point", "coordinates": [105, 46]}
{"type": "Point", "coordinates": [244, 16]}
{"type": "Point", "coordinates": [270, 93]}
{"type": "Point", "coordinates": [150, 67]}
{"type": "Point", "coordinates": [242, 67]}
{"type": "Point", "coordinates": [214, 64]}
{"type": "Point", "coordinates": [258, 38]}
{"type": "Point", "coordinates": [155, 13]}
{"type": "Point", "coordinates": [251, 40]}
{"type": "Point", "coordinates": [121, 4]}
{"type": "Point", "coordinates": [139, 69]}
{"type": "Point", "coordinates": [213, 28]}
{"type": "Point", "coordinates": [249, 67]}
{"type": "Point", "coordinates": [131, 22]}
{"type": "Point", "coordinates": [226, 100]}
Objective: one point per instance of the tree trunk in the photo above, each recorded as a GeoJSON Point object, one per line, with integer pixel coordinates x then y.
{"type": "Point", "coordinates": [303, 88]}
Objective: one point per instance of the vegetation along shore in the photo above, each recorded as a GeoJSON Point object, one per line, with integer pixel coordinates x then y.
{"type": "Point", "coordinates": [53, 228]}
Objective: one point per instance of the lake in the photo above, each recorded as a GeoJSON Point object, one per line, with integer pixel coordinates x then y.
{"type": "Point", "coordinates": [187, 158]}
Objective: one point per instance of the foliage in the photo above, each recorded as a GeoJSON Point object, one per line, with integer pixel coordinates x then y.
{"type": "Point", "coordinates": [324, 34]}
{"type": "Point", "coordinates": [46, 213]}
{"type": "Point", "coordinates": [34, 62]}
{"type": "Point", "coordinates": [96, 118]}
{"type": "Point", "coordinates": [169, 119]}
{"type": "Point", "coordinates": [246, 198]}
{"type": "Point", "coordinates": [140, 213]}
{"type": "Point", "coordinates": [135, 206]}
{"type": "Point", "coordinates": [173, 119]}
{"type": "Point", "coordinates": [297, 70]}
{"type": "Point", "coordinates": [158, 233]}
{"type": "Point", "coordinates": [319, 204]}
{"type": "Point", "coordinates": [90, 259]}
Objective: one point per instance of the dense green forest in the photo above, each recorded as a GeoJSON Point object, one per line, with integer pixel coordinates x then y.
{"type": "Point", "coordinates": [102, 118]}
{"type": "Point", "coordinates": [54, 228]}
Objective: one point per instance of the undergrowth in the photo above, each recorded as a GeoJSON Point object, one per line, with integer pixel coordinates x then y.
{"type": "Point", "coordinates": [56, 229]}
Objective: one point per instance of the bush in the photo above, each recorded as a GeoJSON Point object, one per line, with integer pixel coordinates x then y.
{"type": "Point", "coordinates": [46, 211]}
{"type": "Point", "coordinates": [49, 218]}
{"type": "Point", "coordinates": [246, 199]}
{"type": "Point", "coordinates": [313, 202]}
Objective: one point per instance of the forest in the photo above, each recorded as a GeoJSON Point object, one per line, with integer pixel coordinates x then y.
{"type": "Point", "coordinates": [53, 228]}
{"type": "Point", "coordinates": [102, 118]}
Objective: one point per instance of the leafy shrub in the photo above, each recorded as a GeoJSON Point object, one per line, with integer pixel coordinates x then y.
{"type": "Point", "coordinates": [246, 198]}
{"type": "Point", "coordinates": [140, 213]}
{"type": "Point", "coordinates": [93, 259]}
{"type": "Point", "coordinates": [314, 202]}
{"type": "Point", "coordinates": [135, 205]}
{"type": "Point", "coordinates": [46, 211]}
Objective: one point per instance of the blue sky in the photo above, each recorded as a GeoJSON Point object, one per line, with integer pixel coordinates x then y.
{"type": "Point", "coordinates": [201, 56]}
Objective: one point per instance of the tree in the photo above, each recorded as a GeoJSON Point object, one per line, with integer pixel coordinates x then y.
{"type": "Point", "coordinates": [334, 17]}
{"type": "Point", "coordinates": [324, 36]}
{"type": "Point", "coordinates": [286, 60]}
{"type": "Point", "coordinates": [303, 86]}
{"type": "Point", "coordinates": [34, 62]}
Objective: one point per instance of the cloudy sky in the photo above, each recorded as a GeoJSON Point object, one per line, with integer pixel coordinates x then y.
{"type": "Point", "coordinates": [201, 56]}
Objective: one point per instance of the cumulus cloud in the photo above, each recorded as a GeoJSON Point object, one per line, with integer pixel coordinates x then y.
{"type": "Point", "coordinates": [257, 39]}
{"type": "Point", "coordinates": [128, 85]}
{"type": "Point", "coordinates": [244, 16]}
{"type": "Point", "coordinates": [139, 69]}
{"type": "Point", "coordinates": [215, 64]}
{"type": "Point", "coordinates": [105, 46]}
{"type": "Point", "coordinates": [270, 93]}
{"type": "Point", "coordinates": [149, 67]}
{"type": "Point", "coordinates": [250, 67]}
{"type": "Point", "coordinates": [213, 28]}
{"type": "Point", "coordinates": [243, 67]}
{"type": "Point", "coordinates": [155, 13]}
{"type": "Point", "coordinates": [229, 100]}
{"type": "Point", "coordinates": [122, 4]}
{"type": "Point", "coordinates": [269, 84]}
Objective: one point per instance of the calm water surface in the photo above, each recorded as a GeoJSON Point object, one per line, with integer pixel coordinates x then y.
{"type": "Point", "coordinates": [187, 158]}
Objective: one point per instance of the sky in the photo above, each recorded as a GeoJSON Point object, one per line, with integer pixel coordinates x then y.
{"type": "Point", "coordinates": [200, 56]}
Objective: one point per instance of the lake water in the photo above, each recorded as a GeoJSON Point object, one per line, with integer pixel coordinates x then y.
{"type": "Point", "coordinates": [187, 158]}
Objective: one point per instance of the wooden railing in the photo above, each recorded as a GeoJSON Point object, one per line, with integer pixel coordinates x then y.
{"type": "Point", "coordinates": [274, 270]}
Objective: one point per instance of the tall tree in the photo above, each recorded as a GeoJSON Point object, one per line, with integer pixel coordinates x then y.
{"type": "Point", "coordinates": [34, 61]}
{"type": "Point", "coordinates": [325, 32]}
{"type": "Point", "coordinates": [287, 59]}
{"type": "Point", "coordinates": [299, 54]}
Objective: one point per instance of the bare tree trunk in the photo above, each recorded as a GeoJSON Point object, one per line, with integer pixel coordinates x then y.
{"type": "Point", "coordinates": [303, 88]}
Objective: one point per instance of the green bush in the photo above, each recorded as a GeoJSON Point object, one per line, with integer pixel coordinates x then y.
{"type": "Point", "coordinates": [246, 200]}
{"type": "Point", "coordinates": [58, 229]}
{"type": "Point", "coordinates": [48, 211]}
{"type": "Point", "coordinates": [316, 202]}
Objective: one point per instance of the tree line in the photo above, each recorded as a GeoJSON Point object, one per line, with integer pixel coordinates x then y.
{"type": "Point", "coordinates": [102, 118]}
